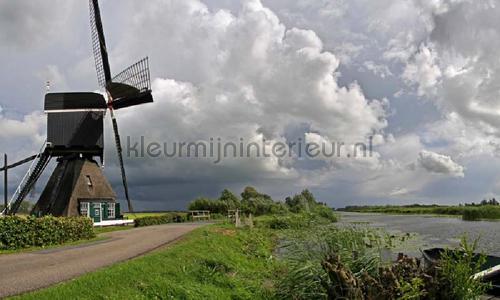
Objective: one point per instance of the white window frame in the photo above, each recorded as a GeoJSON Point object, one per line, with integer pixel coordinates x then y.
{"type": "Point", "coordinates": [85, 209]}
{"type": "Point", "coordinates": [111, 211]}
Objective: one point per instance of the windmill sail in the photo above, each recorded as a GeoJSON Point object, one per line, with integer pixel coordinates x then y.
{"type": "Point", "coordinates": [132, 86]}
{"type": "Point", "coordinates": [129, 88]}
{"type": "Point", "coordinates": [99, 45]}
{"type": "Point", "coordinates": [122, 166]}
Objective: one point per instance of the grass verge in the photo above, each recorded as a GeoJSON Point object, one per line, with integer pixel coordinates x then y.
{"type": "Point", "coordinates": [214, 262]}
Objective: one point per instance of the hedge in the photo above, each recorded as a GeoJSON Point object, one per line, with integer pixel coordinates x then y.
{"type": "Point", "coordinates": [17, 232]}
{"type": "Point", "coordinates": [162, 219]}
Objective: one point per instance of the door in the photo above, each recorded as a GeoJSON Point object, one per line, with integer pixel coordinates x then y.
{"type": "Point", "coordinates": [97, 212]}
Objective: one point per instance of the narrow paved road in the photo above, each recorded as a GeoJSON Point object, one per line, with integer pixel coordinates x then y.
{"type": "Point", "coordinates": [25, 272]}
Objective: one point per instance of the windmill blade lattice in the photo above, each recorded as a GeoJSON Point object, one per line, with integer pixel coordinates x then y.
{"type": "Point", "coordinates": [99, 45]}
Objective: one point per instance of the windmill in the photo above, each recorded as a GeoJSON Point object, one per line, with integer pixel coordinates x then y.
{"type": "Point", "coordinates": [75, 133]}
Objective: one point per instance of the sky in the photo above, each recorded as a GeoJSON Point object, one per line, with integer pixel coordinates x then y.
{"type": "Point", "coordinates": [419, 79]}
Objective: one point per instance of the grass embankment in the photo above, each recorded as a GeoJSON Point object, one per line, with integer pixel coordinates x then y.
{"type": "Point", "coordinates": [469, 213]}
{"type": "Point", "coordinates": [215, 262]}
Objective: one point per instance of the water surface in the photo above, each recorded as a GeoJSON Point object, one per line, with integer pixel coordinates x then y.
{"type": "Point", "coordinates": [433, 231]}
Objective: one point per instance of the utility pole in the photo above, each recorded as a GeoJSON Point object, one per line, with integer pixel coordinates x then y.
{"type": "Point", "coordinates": [5, 188]}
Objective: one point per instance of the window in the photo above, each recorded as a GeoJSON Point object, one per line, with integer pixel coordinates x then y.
{"type": "Point", "coordinates": [89, 181]}
{"type": "Point", "coordinates": [111, 210]}
{"type": "Point", "coordinates": [84, 209]}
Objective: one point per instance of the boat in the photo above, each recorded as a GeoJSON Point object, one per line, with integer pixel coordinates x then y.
{"type": "Point", "coordinates": [490, 270]}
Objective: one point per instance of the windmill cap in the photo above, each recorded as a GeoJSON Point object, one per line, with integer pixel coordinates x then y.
{"type": "Point", "coordinates": [74, 101]}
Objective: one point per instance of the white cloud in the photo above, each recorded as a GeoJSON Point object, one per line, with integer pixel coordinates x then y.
{"type": "Point", "coordinates": [438, 163]}
{"type": "Point", "coordinates": [397, 192]}
{"type": "Point", "coordinates": [422, 70]}
{"type": "Point", "coordinates": [249, 77]}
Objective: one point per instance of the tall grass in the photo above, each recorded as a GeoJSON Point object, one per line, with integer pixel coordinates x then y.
{"type": "Point", "coordinates": [481, 212]}
{"type": "Point", "coordinates": [304, 278]}
{"type": "Point", "coordinates": [456, 270]}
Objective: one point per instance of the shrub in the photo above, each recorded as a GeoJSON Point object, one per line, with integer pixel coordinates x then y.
{"type": "Point", "coordinates": [456, 270]}
{"type": "Point", "coordinates": [290, 221]}
{"type": "Point", "coordinates": [17, 233]}
{"type": "Point", "coordinates": [214, 206]}
{"type": "Point", "coordinates": [326, 212]}
{"type": "Point", "coordinates": [162, 219]}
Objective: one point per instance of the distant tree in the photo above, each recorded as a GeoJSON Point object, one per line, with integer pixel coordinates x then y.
{"type": "Point", "coordinates": [230, 199]}
{"type": "Point", "coordinates": [214, 206]}
{"type": "Point", "coordinates": [309, 197]}
{"type": "Point", "coordinates": [250, 192]}
{"type": "Point", "coordinates": [484, 202]}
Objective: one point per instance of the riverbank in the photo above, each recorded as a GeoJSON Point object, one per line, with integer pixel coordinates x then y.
{"type": "Point", "coordinates": [468, 213]}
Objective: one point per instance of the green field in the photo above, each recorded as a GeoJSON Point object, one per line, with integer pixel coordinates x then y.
{"type": "Point", "coordinates": [470, 213]}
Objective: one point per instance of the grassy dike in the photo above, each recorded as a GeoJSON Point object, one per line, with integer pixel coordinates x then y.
{"type": "Point", "coordinates": [214, 262]}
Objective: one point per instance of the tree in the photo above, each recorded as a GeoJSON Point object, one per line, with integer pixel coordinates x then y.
{"type": "Point", "coordinates": [308, 196]}
{"type": "Point", "coordinates": [230, 199]}
{"type": "Point", "coordinates": [297, 203]}
{"type": "Point", "coordinates": [250, 192]}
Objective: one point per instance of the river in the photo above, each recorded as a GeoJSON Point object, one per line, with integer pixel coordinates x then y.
{"type": "Point", "coordinates": [432, 231]}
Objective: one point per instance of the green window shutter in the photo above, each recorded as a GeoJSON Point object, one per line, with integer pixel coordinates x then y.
{"type": "Point", "coordinates": [105, 211]}
{"type": "Point", "coordinates": [117, 210]}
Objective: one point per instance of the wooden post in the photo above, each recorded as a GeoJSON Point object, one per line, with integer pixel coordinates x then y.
{"type": "Point", "coordinates": [5, 188]}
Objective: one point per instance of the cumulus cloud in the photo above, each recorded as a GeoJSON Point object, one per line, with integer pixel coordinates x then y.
{"type": "Point", "coordinates": [423, 71]}
{"type": "Point", "coordinates": [438, 163]}
{"type": "Point", "coordinates": [250, 77]}
{"type": "Point", "coordinates": [454, 65]}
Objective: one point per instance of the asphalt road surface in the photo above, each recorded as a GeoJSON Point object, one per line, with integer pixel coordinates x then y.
{"type": "Point", "coordinates": [23, 272]}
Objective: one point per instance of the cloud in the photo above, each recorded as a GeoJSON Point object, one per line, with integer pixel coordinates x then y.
{"type": "Point", "coordinates": [454, 65]}
{"type": "Point", "coordinates": [25, 24]}
{"type": "Point", "coordinates": [438, 163]}
{"type": "Point", "coordinates": [277, 70]}
{"type": "Point", "coordinates": [245, 75]}
{"type": "Point", "coordinates": [422, 70]}
{"type": "Point", "coordinates": [397, 192]}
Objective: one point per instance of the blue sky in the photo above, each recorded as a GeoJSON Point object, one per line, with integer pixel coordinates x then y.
{"type": "Point", "coordinates": [421, 77]}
